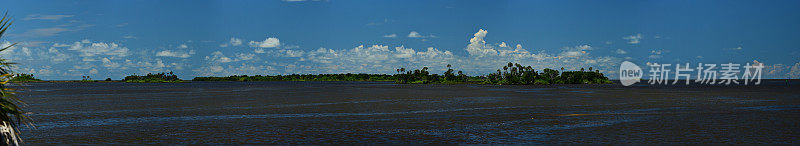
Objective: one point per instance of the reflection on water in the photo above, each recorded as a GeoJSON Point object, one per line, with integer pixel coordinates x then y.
{"type": "Point", "coordinates": [382, 113]}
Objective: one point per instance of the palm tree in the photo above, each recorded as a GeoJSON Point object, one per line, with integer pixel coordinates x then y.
{"type": "Point", "coordinates": [562, 69]}
{"type": "Point", "coordinates": [448, 66]}
{"type": "Point", "coordinates": [12, 115]}
{"type": "Point", "coordinates": [590, 69]}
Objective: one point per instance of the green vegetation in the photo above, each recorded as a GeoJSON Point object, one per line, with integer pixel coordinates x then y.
{"type": "Point", "coordinates": [301, 77]}
{"type": "Point", "coordinates": [424, 77]}
{"type": "Point", "coordinates": [517, 74]}
{"type": "Point", "coordinates": [511, 74]}
{"type": "Point", "coordinates": [153, 78]}
{"type": "Point", "coordinates": [24, 78]}
{"type": "Point", "coordinates": [12, 115]}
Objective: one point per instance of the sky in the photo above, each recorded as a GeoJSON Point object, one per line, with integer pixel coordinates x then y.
{"type": "Point", "coordinates": [68, 39]}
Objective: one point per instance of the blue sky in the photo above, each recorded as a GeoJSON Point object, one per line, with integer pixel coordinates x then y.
{"type": "Point", "coordinates": [69, 39]}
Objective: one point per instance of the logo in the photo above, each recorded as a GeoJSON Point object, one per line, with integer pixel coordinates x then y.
{"type": "Point", "coordinates": [629, 73]}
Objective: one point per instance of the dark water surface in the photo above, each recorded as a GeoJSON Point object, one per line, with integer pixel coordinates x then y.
{"type": "Point", "coordinates": [385, 113]}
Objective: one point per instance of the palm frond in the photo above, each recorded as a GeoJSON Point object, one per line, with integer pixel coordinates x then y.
{"type": "Point", "coordinates": [11, 114]}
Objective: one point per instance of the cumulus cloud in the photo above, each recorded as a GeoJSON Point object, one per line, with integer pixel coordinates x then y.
{"type": "Point", "coordinates": [403, 52]}
{"type": "Point", "coordinates": [620, 51]}
{"type": "Point", "coordinates": [233, 42]}
{"type": "Point", "coordinates": [414, 34]}
{"type": "Point", "coordinates": [292, 53]}
{"type": "Point", "coordinates": [390, 36]}
{"type": "Point", "coordinates": [780, 71]}
{"type": "Point", "coordinates": [268, 43]}
{"type": "Point", "coordinates": [107, 63]}
{"type": "Point", "coordinates": [88, 49]}
{"type": "Point", "coordinates": [633, 39]}
{"type": "Point", "coordinates": [247, 56]}
{"type": "Point", "coordinates": [655, 54]}
{"type": "Point", "coordinates": [259, 51]}
{"type": "Point", "coordinates": [217, 56]}
{"type": "Point", "coordinates": [175, 53]}
{"type": "Point", "coordinates": [236, 41]}
{"type": "Point", "coordinates": [576, 51]}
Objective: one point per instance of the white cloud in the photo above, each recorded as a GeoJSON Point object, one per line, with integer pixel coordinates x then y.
{"type": "Point", "coordinates": [183, 46]}
{"type": "Point", "coordinates": [403, 52]}
{"type": "Point", "coordinates": [243, 56]}
{"type": "Point", "coordinates": [268, 43]}
{"type": "Point", "coordinates": [477, 46]}
{"type": "Point", "coordinates": [620, 51]}
{"type": "Point", "coordinates": [44, 32]}
{"type": "Point", "coordinates": [236, 41]}
{"type": "Point", "coordinates": [293, 53]}
{"type": "Point", "coordinates": [216, 68]}
{"type": "Point", "coordinates": [390, 36]}
{"type": "Point", "coordinates": [737, 48]}
{"type": "Point", "coordinates": [219, 57]}
{"type": "Point", "coordinates": [46, 17]}
{"type": "Point", "coordinates": [780, 71]}
{"type": "Point", "coordinates": [414, 34]}
{"type": "Point", "coordinates": [174, 53]}
{"type": "Point", "coordinates": [576, 51]}
{"type": "Point", "coordinates": [146, 66]}
{"type": "Point", "coordinates": [633, 39]}
{"type": "Point", "coordinates": [655, 54]}
{"type": "Point", "coordinates": [259, 51]}
{"type": "Point", "coordinates": [107, 63]}
{"type": "Point", "coordinates": [99, 48]}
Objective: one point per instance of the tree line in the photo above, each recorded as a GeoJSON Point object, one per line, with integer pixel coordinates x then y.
{"type": "Point", "coordinates": [24, 78]}
{"type": "Point", "coordinates": [511, 74]}
{"type": "Point", "coordinates": [153, 78]}
{"type": "Point", "coordinates": [302, 77]}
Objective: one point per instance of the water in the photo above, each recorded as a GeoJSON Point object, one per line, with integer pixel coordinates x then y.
{"type": "Point", "coordinates": [385, 113]}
